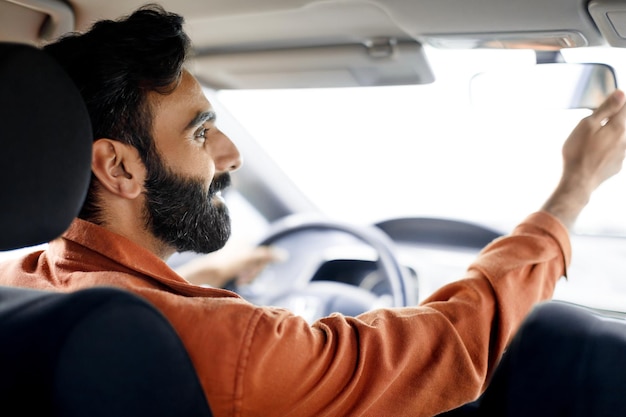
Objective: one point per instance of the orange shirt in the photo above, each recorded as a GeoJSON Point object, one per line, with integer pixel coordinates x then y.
{"type": "Point", "coordinates": [259, 361]}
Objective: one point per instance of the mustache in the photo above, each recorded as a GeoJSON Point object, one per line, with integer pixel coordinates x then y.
{"type": "Point", "coordinates": [220, 183]}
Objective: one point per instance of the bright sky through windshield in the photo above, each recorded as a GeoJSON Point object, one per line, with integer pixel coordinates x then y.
{"type": "Point", "coordinates": [369, 154]}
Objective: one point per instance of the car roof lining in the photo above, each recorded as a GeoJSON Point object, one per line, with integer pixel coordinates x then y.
{"type": "Point", "coordinates": [275, 20]}
{"type": "Point", "coordinates": [229, 35]}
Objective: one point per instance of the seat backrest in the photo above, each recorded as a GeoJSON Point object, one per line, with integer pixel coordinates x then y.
{"type": "Point", "coordinates": [45, 159]}
{"type": "Point", "coordinates": [95, 352]}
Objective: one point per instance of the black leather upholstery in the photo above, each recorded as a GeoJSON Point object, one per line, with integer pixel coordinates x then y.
{"type": "Point", "coordinates": [95, 352]}
{"type": "Point", "coordinates": [565, 360]}
{"type": "Point", "coordinates": [46, 139]}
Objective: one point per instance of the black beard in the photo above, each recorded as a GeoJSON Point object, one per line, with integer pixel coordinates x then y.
{"type": "Point", "coordinates": [180, 212]}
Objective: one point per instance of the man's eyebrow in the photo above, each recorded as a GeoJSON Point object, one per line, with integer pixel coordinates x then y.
{"type": "Point", "coordinates": [201, 118]}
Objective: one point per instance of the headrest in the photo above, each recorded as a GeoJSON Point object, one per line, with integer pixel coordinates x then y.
{"type": "Point", "coordinates": [45, 147]}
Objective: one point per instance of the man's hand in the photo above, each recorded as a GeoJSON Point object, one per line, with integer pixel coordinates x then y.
{"type": "Point", "coordinates": [217, 268]}
{"type": "Point", "coordinates": [592, 153]}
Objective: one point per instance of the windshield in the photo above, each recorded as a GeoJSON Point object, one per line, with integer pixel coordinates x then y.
{"type": "Point", "coordinates": [369, 154]}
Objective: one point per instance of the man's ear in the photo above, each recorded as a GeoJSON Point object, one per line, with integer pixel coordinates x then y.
{"type": "Point", "coordinates": [118, 167]}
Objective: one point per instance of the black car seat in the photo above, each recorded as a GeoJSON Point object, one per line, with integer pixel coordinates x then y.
{"type": "Point", "coordinates": [95, 352]}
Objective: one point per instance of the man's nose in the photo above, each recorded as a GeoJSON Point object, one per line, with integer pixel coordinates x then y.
{"type": "Point", "coordinates": [228, 156]}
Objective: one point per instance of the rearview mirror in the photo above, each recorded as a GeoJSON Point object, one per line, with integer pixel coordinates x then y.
{"type": "Point", "coordinates": [544, 86]}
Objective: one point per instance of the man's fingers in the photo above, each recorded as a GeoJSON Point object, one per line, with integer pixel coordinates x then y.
{"type": "Point", "coordinates": [612, 105]}
{"type": "Point", "coordinates": [267, 254]}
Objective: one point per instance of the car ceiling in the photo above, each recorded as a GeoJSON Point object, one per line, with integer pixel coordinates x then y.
{"type": "Point", "coordinates": [304, 43]}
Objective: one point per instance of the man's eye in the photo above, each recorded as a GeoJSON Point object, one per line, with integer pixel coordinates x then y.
{"type": "Point", "coordinates": [201, 134]}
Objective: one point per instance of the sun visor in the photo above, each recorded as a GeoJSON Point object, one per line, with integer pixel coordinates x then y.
{"type": "Point", "coordinates": [610, 16]}
{"type": "Point", "coordinates": [35, 21]}
{"type": "Point", "coordinates": [378, 63]}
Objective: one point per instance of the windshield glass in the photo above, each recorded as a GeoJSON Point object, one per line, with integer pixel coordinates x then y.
{"type": "Point", "coordinates": [369, 154]}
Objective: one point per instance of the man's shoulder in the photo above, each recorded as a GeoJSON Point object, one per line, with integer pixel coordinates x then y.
{"type": "Point", "coordinates": [24, 270]}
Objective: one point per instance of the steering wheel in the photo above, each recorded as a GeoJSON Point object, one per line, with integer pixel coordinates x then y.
{"type": "Point", "coordinates": [295, 284]}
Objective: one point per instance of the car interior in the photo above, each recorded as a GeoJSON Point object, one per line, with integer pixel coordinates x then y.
{"type": "Point", "coordinates": [91, 352]}
{"type": "Point", "coordinates": [376, 240]}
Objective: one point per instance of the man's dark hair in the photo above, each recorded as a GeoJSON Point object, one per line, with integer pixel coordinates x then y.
{"type": "Point", "coordinates": [115, 65]}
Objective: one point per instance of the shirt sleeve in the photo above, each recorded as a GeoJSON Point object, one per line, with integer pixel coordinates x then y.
{"type": "Point", "coordinates": [416, 361]}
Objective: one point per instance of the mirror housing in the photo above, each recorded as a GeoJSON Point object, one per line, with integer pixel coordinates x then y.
{"type": "Point", "coordinates": [544, 86]}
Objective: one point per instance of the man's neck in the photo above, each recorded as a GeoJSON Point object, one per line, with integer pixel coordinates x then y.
{"type": "Point", "coordinates": [128, 222]}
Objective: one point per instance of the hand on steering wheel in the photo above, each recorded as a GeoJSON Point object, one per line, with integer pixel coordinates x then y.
{"type": "Point", "coordinates": [290, 284]}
